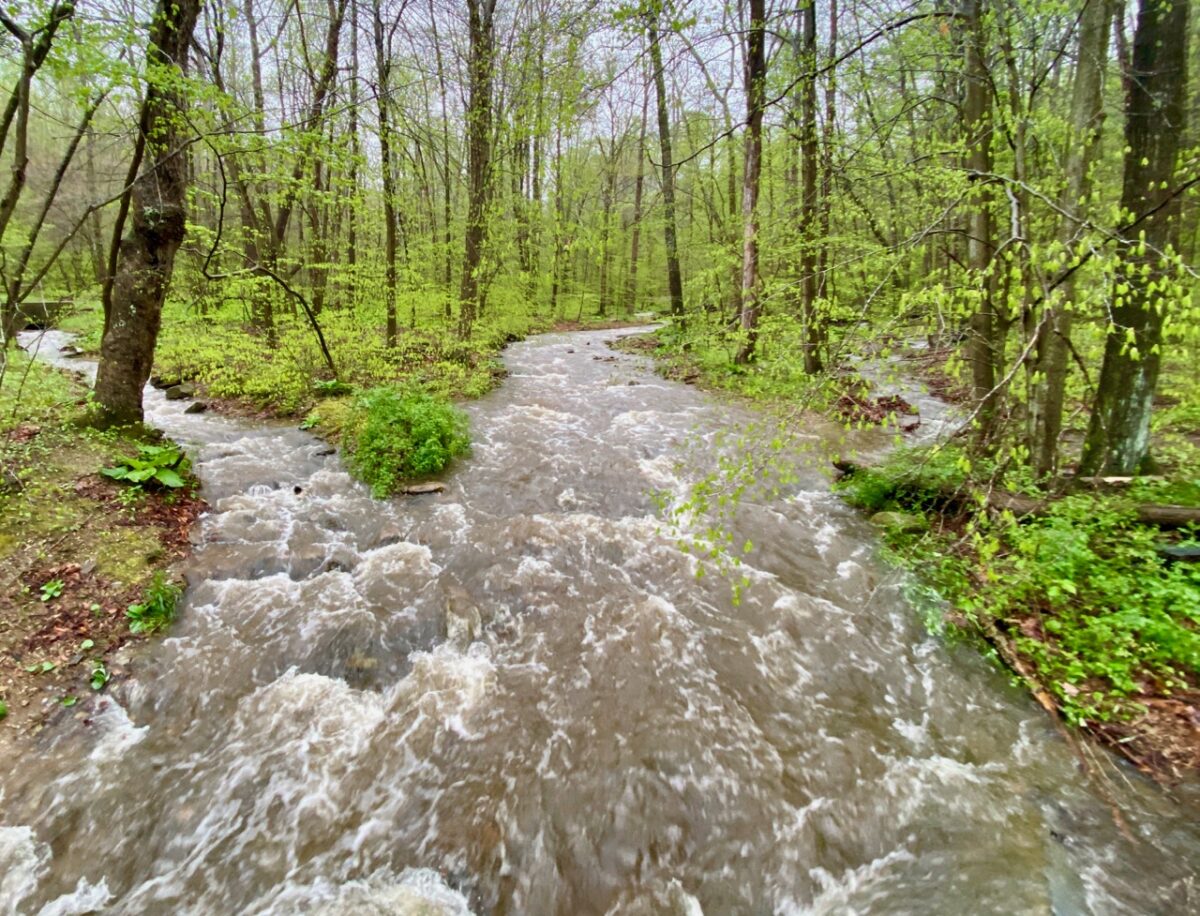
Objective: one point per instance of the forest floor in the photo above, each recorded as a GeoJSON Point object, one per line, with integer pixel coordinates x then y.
{"type": "Point", "coordinates": [76, 548]}
{"type": "Point", "coordinates": [1082, 604]}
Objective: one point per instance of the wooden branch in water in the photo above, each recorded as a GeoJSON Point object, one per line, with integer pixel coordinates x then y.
{"type": "Point", "coordinates": [1162, 516]}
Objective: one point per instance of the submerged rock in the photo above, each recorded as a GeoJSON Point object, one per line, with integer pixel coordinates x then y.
{"type": "Point", "coordinates": [418, 489]}
{"type": "Point", "coordinates": [196, 407]}
{"type": "Point", "coordinates": [180, 391]}
{"type": "Point", "coordinates": [464, 622]}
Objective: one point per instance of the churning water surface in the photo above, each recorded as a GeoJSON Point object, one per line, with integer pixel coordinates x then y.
{"type": "Point", "coordinates": [517, 696]}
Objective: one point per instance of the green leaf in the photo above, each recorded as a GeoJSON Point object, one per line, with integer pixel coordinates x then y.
{"type": "Point", "coordinates": [168, 478]}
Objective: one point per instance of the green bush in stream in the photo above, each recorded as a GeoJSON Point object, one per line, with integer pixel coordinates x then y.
{"type": "Point", "coordinates": [394, 436]}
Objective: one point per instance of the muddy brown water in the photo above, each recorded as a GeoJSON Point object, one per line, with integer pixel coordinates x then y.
{"type": "Point", "coordinates": [518, 697]}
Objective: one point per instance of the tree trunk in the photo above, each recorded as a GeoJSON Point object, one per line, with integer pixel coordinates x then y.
{"type": "Point", "coordinates": [146, 255]}
{"type": "Point", "coordinates": [755, 78]}
{"type": "Point", "coordinates": [1118, 437]}
{"type": "Point", "coordinates": [808, 198]}
{"type": "Point", "coordinates": [351, 284]}
{"type": "Point", "coordinates": [639, 182]}
{"type": "Point", "coordinates": [674, 277]}
{"type": "Point", "coordinates": [824, 286]}
{"type": "Point", "coordinates": [1083, 142]}
{"type": "Point", "coordinates": [447, 238]}
{"type": "Point", "coordinates": [479, 155]}
{"type": "Point", "coordinates": [977, 128]}
{"type": "Point", "coordinates": [383, 64]}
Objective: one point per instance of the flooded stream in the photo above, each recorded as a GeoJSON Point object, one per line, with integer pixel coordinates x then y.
{"type": "Point", "coordinates": [518, 697]}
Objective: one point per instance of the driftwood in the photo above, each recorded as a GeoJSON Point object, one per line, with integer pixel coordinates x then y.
{"type": "Point", "coordinates": [1027, 506]}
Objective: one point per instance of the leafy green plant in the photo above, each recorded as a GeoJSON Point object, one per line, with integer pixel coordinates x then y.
{"type": "Point", "coordinates": [52, 589]}
{"type": "Point", "coordinates": [100, 676]}
{"type": "Point", "coordinates": [396, 436]}
{"type": "Point", "coordinates": [331, 388]}
{"type": "Point", "coordinates": [160, 464]}
{"type": "Point", "coordinates": [157, 609]}
{"type": "Point", "coordinates": [3, 710]}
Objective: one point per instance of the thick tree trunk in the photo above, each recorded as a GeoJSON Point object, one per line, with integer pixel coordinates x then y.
{"type": "Point", "coordinates": [755, 78]}
{"type": "Point", "coordinates": [479, 156]}
{"type": "Point", "coordinates": [674, 276]}
{"type": "Point", "coordinates": [1087, 118]}
{"type": "Point", "coordinates": [1118, 438]}
{"type": "Point", "coordinates": [146, 255]}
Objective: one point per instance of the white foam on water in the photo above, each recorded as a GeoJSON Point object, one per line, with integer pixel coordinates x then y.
{"type": "Point", "coordinates": [838, 893]}
{"type": "Point", "coordinates": [22, 861]}
{"type": "Point", "coordinates": [415, 892]}
{"type": "Point", "coordinates": [87, 898]}
{"type": "Point", "coordinates": [120, 735]}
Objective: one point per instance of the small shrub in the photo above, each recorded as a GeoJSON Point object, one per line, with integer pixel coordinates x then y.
{"type": "Point", "coordinates": [157, 610]}
{"type": "Point", "coordinates": [394, 436]}
{"type": "Point", "coordinates": [160, 464]}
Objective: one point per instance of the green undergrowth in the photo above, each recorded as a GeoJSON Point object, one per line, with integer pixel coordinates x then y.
{"type": "Point", "coordinates": [704, 354]}
{"type": "Point", "coordinates": [78, 547]}
{"type": "Point", "coordinates": [1081, 592]}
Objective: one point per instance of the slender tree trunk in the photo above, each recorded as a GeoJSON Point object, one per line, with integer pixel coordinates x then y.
{"type": "Point", "coordinates": [824, 285]}
{"type": "Point", "coordinates": [146, 255]}
{"type": "Point", "coordinates": [1118, 438]}
{"type": "Point", "coordinates": [535, 181]}
{"type": "Point", "coordinates": [383, 64]}
{"type": "Point", "coordinates": [355, 152]}
{"type": "Point", "coordinates": [559, 220]}
{"type": "Point", "coordinates": [1083, 142]}
{"type": "Point", "coordinates": [447, 240]}
{"type": "Point", "coordinates": [756, 78]}
{"type": "Point", "coordinates": [674, 277]}
{"type": "Point", "coordinates": [631, 281]}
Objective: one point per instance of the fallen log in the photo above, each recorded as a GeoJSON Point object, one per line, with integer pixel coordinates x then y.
{"type": "Point", "coordinates": [1161, 516]}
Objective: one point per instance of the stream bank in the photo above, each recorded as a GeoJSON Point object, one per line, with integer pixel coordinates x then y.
{"type": "Point", "coordinates": [76, 550]}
